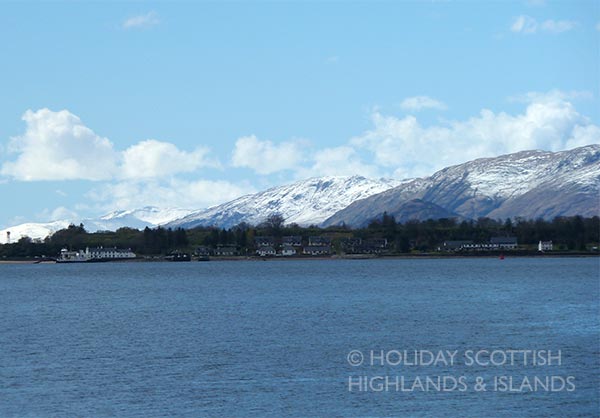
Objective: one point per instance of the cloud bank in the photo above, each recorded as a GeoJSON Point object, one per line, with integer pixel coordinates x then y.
{"type": "Point", "coordinates": [141, 21]}
{"type": "Point", "coordinates": [58, 146]}
{"type": "Point", "coordinates": [529, 25]}
{"type": "Point", "coordinates": [266, 157]}
{"type": "Point", "coordinates": [152, 158]}
{"type": "Point", "coordinates": [421, 102]}
{"type": "Point", "coordinates": [407, 147]}
{"type": "Point", "coordinates": [174, 192]}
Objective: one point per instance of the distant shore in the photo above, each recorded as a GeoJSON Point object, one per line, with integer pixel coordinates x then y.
{"type": "Point", "coordinates": [412, 256]}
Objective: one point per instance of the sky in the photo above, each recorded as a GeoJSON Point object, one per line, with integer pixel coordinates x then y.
{"type": "Point", "coordinates": [109, 106]}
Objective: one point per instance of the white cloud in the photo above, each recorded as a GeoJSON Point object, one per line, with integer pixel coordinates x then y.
{"type": "Point", "coordinates": [58, 146]}
{"type": "Point", "coordinates": [266, 157]}
{"type": "Point", "coordinates": [598, 26]}
{"type": "Point", "coordinates": [402, 144]}
{"type": "Point", "coordinates": [561, 95]}
{"type": "Point", "coordinates": [557, 26]}
{"type": "Point", "coordinates": [171, 193]}
{"type": "Point", "coordinates": [338, 161]}
{"type": "Point", "coordinates": [57, 214]}
{"type": "Point", "coordinates": [142, 21]}
{"type": "Point", "coordinates": [152, 158]}
{"type": "Point", "coordinates": [529, 25]}
{"type": "Point", "coordinates": [524, 24]}
{"type": "Point", "coordinates": [417, 103]}
{"type": "Point", "coordinates": [583, 135]}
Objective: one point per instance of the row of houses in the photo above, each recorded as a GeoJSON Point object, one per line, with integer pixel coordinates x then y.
{"type": "Point", "coordinates": [288, 251]}
{"type": "Point", "coordinates": [286, 246]}
{"type": "Point", "coordinates": [292, 245]}
{"type": "Point", "coordinates": [495, 243]}
{"type": "Point", "coordinates": [291, 240]}
{"type": "Point", "coordinates": [360, 246]}
{"type": "Point", "coordinates": [220, 250]}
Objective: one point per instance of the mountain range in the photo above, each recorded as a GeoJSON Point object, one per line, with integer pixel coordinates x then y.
{"type": "Point", "coordinates": [148, 216]}
{"type": "Point", "coordinates": [527, 184]}
{"type": "Point", "coordinates": [307, 202]}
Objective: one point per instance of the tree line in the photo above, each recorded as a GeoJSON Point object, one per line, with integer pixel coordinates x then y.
{"type": "Point", "coordinates": [574, 233]}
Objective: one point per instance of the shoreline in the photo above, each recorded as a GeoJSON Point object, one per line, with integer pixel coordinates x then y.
{"type": "Point", "coordinates": [424, 256]}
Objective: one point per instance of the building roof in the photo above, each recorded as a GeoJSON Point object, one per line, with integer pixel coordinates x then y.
{"type": "Point", "coordinates": [503, 240]}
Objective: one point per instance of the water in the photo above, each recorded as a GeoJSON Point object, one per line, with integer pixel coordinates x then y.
{"type": "Point", "coordinates": [272, 338]}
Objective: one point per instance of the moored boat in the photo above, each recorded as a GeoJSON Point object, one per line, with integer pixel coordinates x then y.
{"type": "Point", "coordinates": [178, 256]}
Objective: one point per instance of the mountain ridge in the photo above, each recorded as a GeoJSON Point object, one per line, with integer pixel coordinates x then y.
{"type": "Point", "coordinates": [528, 184]}
{"type": "Point", "coordinates": [305, 202]}
{"type": "Point", "coordinates": [147, 216]}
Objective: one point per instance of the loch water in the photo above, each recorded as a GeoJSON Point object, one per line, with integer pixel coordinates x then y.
{"type": "Point", "coordinates": [299, 338]}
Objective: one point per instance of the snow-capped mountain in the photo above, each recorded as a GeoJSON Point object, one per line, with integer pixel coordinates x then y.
{"type": "Point", "coordinates": [32, 230]}
{"type": "Point", "coordinates": [305, 202]}
{"type": "Point", "coordinates": [526, 184]}
{"type": "Point", "coordinates": [137, 218]}
{"type": "Point", "coordinates": [148, 216]}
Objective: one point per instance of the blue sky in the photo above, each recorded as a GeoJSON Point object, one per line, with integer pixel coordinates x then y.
{"type": "Point", "coordinates": [119, 105]}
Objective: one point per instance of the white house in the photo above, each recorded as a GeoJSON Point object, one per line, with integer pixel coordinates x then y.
{"type": "Point", "coordinates": [317, 250]}
{"type": "Point", "coordinates": [545, 246]}
{"type": "Point", "coordinates": [288, 250]}
{"type": "Point", "coordinates": [266, 251]}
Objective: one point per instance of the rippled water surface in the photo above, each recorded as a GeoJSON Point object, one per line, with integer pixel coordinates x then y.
{"type": "Point", "coordinates": [273, 338]}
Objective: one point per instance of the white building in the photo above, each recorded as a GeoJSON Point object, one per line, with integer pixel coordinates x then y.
{"type": "Point", "coordinates": [101, 253]}
{"type": "Point", "coordinates": [266, 251]}
{"type": "Point", "coordinates": [93, 254]}
{"type": "Point", "coordinates": [317, 250]}
{"type": "Point", "coordinates": [288, 250]}
{"type": "Point", "coordinates": [545, 246]}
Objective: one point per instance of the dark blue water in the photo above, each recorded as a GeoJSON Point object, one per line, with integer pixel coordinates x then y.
{"type": "Point", "coordinates": [272, 338]}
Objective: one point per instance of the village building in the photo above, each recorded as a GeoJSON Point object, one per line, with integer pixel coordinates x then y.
{"type": "Point", "coordinates": [504, 243]}
{"type": "Point", "coordinates": [101, 253]}
{"type": "Point", "coordinates": [226, 251]}
{"type": "Point", "coordinates": [319, 241]}
{"type": "Point", "coordinates": [351, 245]}
{"type": "Point", "coordinates": [266, 251]}
{"type": "Point", "coordinates": [203, 251]}
{"type": "Point", "coordinates": [292, 240]}
{"type": "Point", "coordinates": [264, 241]}
{"type": "Point", "coordinates": [288, 251]}
{"type": "Point", "coordinates": [456, 245]}
{"type": "Point", "coordinates": [317, 250]}
{"type": "Point", "coordinates": [495, 243]}
{"type": "Point", "coordinates": [369, 246]}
